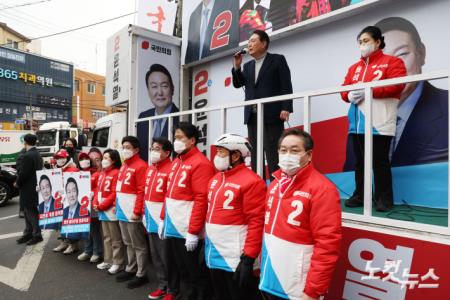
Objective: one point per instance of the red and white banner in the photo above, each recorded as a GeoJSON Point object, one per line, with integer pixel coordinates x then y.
{"type": "Point", "coordinates": [157, 15]}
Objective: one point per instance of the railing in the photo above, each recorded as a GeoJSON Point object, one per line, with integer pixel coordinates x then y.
{"type": "Point", "coordinates": [307, 96]}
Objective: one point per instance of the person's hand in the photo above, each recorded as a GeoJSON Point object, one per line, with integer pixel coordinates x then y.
{"type": "Point", "coordinates": [191, 242]}
{"type": "Point", "coordinates": [161, 230]}
{"type": "Point", "coordinates": [237, 61]}
{"type": "Point", "coordinates": [306, 297]}
{"type": "Point", "coordinates": [356, 96]}
{"type": "Point", "coordinates": [244, 271]}
{"type": "Point", "coordinates": [135, 217]}
{"type": "Point", "coordinates": [284, 115]}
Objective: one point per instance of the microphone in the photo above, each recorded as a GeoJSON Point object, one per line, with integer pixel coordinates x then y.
{"type": "Point", "coordinates": [241, 52]}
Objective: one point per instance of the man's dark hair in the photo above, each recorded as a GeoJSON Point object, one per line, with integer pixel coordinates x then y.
{"type": "Point", "coordinates": [115, 157]}
{"type": "Point", "coordinates": [189, 130]}
{"type": "Point", "coordinates": [96, 150]}
{"type": "Point", "coordinates": [30, 139]}
{"type": "Point", "coordinates": [375, 33]}
{"type": "Point", "coordinates": [132, 140]}
{"type": "Point", "coordinates": [401, 24]}
{"type": "Point", "coordinates": [71, 179]}
{"type": "Point", "coordinates": [263, 37]}
{"type": "Point", "coordinates": [306, 137]}
{"type": "Point", "coordinates": [161, 69]}
{"type": "Point", "coordinates": [45, 177]}
{"type": "Point", "coordinates": [165, 143]}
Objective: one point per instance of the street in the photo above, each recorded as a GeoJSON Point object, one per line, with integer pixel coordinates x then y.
{"type": "Point", "coordinates": [35, 272]}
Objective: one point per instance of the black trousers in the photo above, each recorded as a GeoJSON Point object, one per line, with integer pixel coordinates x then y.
{"type": "Point", "coordinates": [191, 268]}
{"type": "Point", "coordinates": [267, 296]}
{"type": "Point", "coordinates": [225, 288]}
{"type": "Point", "coordinates": [381, 167]}
{"type": "Point", "coordinates": [31, 221]}
{"type": "Point", "coordinates": [271, 134]}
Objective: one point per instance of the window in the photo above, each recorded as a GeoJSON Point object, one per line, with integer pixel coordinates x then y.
{"type": "Point", "coordinates": [12, 44]}
{"type": "Point", "coordinates": [97, 114]}
{"type": "Point", "coordinates": [91, 88]}
{"type": "Point", "coordinates": [103, 90]}
{"type": "Point", "coordinates": [100, 137]}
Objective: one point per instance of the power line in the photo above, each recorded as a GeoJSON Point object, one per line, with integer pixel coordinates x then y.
{"type": "Point", "coordinates": [25, 4]}
{"type": "Point", "coordinates": [78, 28]}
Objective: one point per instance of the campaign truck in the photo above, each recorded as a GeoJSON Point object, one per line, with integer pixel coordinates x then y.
{"type": "Point", "coordinates": [11, 142]}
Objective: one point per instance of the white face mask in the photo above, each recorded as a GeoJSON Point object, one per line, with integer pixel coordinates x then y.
{"type": "Point", "coordinates": [367, 49]}
{"type": "Point", "coordinates": [106, 163]}
{"type": "Point", "coordinates": [289, 163]}
{"type": "Point", "coordinates": [84, 164]}
{"type": "Point", "coordinates": [179, 146]}
{"type": "Point", "coordinates": [61, 162]}
{"type": "Point", "coordinates": [127, 153]}
{"type": "Point", "coordinates": [222, 163]}
{"type": "Point", "coordinates": [155, 157]}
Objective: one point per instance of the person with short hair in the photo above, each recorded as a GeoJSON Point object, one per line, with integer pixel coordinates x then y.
{"type": "Point", "coordinates": [104, 203]}
{"type": "Point", "coordinates": [374, 65]}
{"type": "Point", "coordinates": [131, 188]}
{"type": "Point", "coordinates": [26, 183]}
{"type": "Point", "coordinates": [302, 228]}
{"type": "Point", "coordinates": [184, 211]}
{"type": "Point", "coordinates": [234, 221]}
{"type": "Point", "coordinates": [266, 75]}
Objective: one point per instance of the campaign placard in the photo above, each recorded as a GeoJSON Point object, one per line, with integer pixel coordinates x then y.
{"type": "Point", "coordinates": [51, 192]}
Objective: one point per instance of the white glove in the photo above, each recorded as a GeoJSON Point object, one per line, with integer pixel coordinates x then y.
{"type": "Point", "coordinates": [161, 230]}
{"type": "Point", "coordinates": [191, 242]}
{"type": "Point", "coordinates": [356, 96]}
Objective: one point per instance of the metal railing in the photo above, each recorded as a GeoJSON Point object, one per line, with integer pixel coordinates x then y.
{"type": "Point", "coordinates": [307, 96]}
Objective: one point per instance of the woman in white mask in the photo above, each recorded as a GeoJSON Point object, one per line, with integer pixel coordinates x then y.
{"type": "Point", "coordinates": [234, 221]}
{"type": "Point", "coordinates": [373, 65]}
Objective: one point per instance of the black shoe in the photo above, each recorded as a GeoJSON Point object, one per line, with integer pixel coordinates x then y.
{"type": "Point", "coordinates": [137, 282]}
{"type": "Point", "coordinates": [21, 214]}
{"type": "Point", "coordinates": [382, 207]}
{"type": "Point", "coordinates": [354, 201]}
{"type": "Point", "coordinates": [125, 276]}
{"type": "Point", "coordinates": [24, 239]}
{"type": "Point", "coordinates": [34, 240]}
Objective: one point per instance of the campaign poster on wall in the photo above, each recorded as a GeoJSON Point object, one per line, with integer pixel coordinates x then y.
{"type": "Point", "coordinates": [420, 153]}
{"type": "Point", "coordinates": [51, 192]}
{"type": "Point", "coordinates": [158, 87]}
{"type": "Point", "coordinates": [157, 15]}
{"type": "Point", "coordinates": [77, 205]}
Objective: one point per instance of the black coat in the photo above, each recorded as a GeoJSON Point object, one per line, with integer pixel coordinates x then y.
{"type": "Point", "coordinates": [26, 179]}
{"type": "Point", "coordinates": [274, 79]}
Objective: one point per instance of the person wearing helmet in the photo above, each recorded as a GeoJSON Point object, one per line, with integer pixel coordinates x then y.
{"type": "Point", "coordinates": [64, 162]}
{"type": "Point", "coordinates": [234, 221]}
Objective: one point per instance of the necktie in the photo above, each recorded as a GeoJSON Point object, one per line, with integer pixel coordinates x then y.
{"type": "Point", "coordinates": [203, 31]}
{"type": "Point", "coordinates": [396, 137]}
{"type": "Point", "coordinates": [157, 131]}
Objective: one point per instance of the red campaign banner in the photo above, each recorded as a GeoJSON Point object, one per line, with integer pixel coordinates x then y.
{"type": "Point", "coordinates": [374, 265]}
{"type": "Point", "coordinates": [52, 214]}
{"type": "Point", "coordinates": [76, 221]}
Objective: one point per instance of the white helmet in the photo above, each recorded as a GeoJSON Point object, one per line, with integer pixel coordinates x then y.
{"type": "Point", "coordinates": [234, 142]}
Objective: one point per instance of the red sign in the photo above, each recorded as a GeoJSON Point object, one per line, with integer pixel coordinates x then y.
{"type": "Point", "coordinates": [380, 266]}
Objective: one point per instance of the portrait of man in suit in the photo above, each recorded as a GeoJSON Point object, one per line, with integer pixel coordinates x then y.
{"type": "Point", "coordinates": [160, 89]}
{"type": "Point", "coordinates": [422, 118]}
{"type": "Point", "coordinates": [45, 188]}
{"type": "Point", "coordinates": [253, 15]}
{"type": "Point", "coordinates": [72, 211]}
{"type": "Point", "coordinates": [209, 17]}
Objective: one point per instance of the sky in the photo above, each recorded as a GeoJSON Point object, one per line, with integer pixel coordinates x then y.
{"type": "Point", "coordinates": [85, 48]}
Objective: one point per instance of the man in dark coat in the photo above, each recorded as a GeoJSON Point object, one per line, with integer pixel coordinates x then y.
{"type": "Point", "coordinates": [27, 182]}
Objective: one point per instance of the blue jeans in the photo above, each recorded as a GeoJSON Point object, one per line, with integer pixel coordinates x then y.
{"type": "Point", "coordinates": [94, 245]}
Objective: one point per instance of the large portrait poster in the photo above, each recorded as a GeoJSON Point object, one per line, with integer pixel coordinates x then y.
{"type": "Point", "coordinates": [157, 15]}
{"type": "Point", "coordinates": [50, 183]}
{"type": "Point", "coordinates": [158, 87]}
{"type": "Point", "coordinates": [77, 205]}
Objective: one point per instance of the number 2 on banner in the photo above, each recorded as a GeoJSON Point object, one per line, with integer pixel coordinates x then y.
{"type": "Point", "coordinates": [200, 83]}
{"type": "Point", "coordinates": [84, 206]}
{"type": "Point", "coordinates": [221, 26]}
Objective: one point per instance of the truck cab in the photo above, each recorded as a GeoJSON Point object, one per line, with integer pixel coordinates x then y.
{"type": "Point", "coordinates": [51, 137]}
{"type": "Point", "coordinates": [109, 131]}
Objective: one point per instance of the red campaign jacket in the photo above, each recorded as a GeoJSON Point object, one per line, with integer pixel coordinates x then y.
{"type": "Point", "coordinates": [187, 190]}
{"type": "Point", "coordinates": [303, 227]}
{"type": "Point", "coordinates": [70, 168]}
{"type": "Point", "coordinates": [156, 181]}
{"type": "Point", "coordinates": [235, 198]}
{"type": "Point", "coordinates": [107, 181]}
{"type": "Point", "coordinates": [132, 178]}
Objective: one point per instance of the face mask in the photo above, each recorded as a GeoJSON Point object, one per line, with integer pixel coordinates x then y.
{"type": "Point", "coordinates": [106, 163]}
{"type": "Point", "coordinates": [179, 146]}
{"type": "Point", "coordinates": [69, 150]}
{"type": "Point", "coordinates": [367, 49]}
{"type": "Point", "coordinates": [84, 164]}
{"type": "Point", "coordinates": [127, 153]}
{"type": "Point", "coordinates": [155, 157]}
{"type": "Point", "coordinates": [61, 162]}
{"type": "Point", "coordinates": [289, 163]}
{"type": "Point", "coordinates": [222, 163]}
